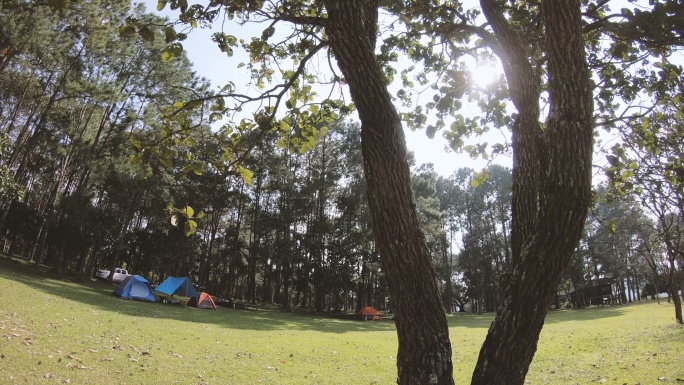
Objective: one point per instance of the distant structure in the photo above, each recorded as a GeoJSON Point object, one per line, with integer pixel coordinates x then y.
{"type": "Point", "coordinates": [595, 292]}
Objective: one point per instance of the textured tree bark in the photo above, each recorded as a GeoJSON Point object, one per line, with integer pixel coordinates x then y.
{"type": "Point", "coordinates": [672, 289]}
{"type": "Point", "coordinates": [560, 206]}
{"type": "Point", "coordinates": [674, 293]}
{"type": "Point", "coordinates": [424, 355]}
{"type": "Point", "coordinates": [525, 91]}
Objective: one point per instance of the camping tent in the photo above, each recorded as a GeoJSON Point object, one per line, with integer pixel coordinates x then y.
{"type": "Point", "coordinates": [203, 302]}
{"type": "Point", "coordinates": [180, 286]}
{"type": "Point", "coordinates": [135, 287]}
{"type": "Point", "coordinates": [369, 313]}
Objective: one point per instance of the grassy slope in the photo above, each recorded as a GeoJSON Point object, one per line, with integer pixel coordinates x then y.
{"type": "Point", "coordinates": [57, 331]}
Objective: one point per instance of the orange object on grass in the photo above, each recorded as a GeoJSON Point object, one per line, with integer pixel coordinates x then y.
{"type": "Point", "coordinates": [369, 313]}
{"type": "Point", "coordinates": [203, 302]}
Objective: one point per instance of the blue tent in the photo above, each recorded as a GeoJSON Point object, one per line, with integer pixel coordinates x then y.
{"type": "Point", "coordinates": [181, 286]}
{"type": "Point", "coordinates": [135, 287]}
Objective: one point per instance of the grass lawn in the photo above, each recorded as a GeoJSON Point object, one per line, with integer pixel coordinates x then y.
{"type": "Point", "coordinates": [56, 331]}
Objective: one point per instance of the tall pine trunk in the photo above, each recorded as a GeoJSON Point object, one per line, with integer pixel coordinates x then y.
{"type": "Point", "coordinates": [254, 246]}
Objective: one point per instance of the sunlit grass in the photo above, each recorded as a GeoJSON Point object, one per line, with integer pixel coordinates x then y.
{"type": "Point", "coordinates": [57, 331]}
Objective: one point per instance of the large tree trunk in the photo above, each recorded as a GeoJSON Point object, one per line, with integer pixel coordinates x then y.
{"type": "Point", "coordinates": [674, 290]}
{"type": "Point", "coordinates": [525, 91]}
{"type": "Point", "coordinates": [672, 237]}
{"type": "Point", "coordinates": [563, 200]}
{"type": "Point", "coordinates": [424, 355]}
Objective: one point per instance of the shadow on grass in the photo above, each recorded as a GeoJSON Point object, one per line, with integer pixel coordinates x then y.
{"type": "Point", "coordinates": [587, 314]}
{"type": "Point", "coordinates": [99, 294]}
{"type": "Point", "coordinates": [470, 320]}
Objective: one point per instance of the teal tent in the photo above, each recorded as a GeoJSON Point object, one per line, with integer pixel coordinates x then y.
{"type": "Point", "coordinates": [135, 287]}
{"type": "Point", "coordinates": [180, 286]}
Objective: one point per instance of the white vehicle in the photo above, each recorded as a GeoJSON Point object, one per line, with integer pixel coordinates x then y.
{"type": "Point", "coordinates": [119, 274]}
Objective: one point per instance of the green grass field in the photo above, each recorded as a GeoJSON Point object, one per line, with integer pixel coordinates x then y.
{"type": "Point", "coordinates": [56, 331]}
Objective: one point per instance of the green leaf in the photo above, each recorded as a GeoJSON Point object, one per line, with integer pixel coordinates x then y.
{"type": "Point", "coordinates": [246, 175]}
{"type": "Point", "coordinates": [127, 30]}
{"type": "Point", "coordinates": [291, 103]}
{"type": "Point", "coordinates": [146, 34]}
{"type": "Point", "coordinates": [268, 32]}
{"type": "Point", "coordinates": [166, 162]}
{"type": "Point", "coordinates": [166, 55]}
{"type": "Point", "coordinates": [197, 168]}
{"type": "Point", "coordinates": [188, 211]}
{"type": "Point", "coordinates": [170, 34]}
{"type": "Point", "coordinates": [190, 227]}
{"type": "Point", "coordinates": [187, 168]}
{"type": "Point", "coordinates": [135, 160]}
{"type": "Point", "coordinates": [430, 131]}
{"type": "Point", "coordinates": [214, 116]}
{"type": "Point", "coordinates": [193, 23]}
{"type": "Point", "coordinates": [161, 4]}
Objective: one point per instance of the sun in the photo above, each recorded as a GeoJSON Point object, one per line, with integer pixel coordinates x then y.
{"type": "Point", "coordinates": [484, 75]}
{"type": "Point", "coordinates": [485, 72]}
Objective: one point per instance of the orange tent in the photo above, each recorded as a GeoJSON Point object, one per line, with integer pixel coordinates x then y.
{"type": "Point", "coordinates": [369, 313]}
{"type": "Point", "coordinates": [203, 302]}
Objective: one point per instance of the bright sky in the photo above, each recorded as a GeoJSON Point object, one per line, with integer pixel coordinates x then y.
{"type": "Point", "coordinates": [209, 62]}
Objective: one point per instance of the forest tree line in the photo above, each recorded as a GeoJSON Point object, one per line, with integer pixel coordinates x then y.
{"type": "Point", "coordinates": [79, 97]}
